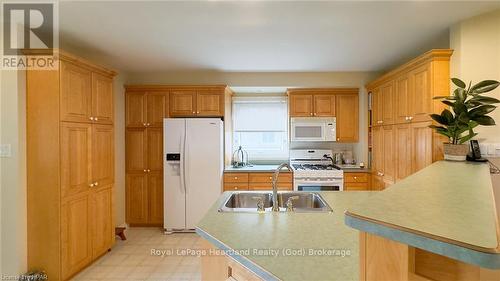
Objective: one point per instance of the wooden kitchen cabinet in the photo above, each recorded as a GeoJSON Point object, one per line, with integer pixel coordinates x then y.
{"type": "Point", "coordinates": [402, 151]}
{"type": "Point", "coordinates": [209, 103]}
{"type": "Point", "coordinates": [420, 94]}
{"type": "Point", "coordinates": [137, 199]}
{"type": "Point", "coordinates": [182, 103]}
{"type": "Point", "coordinates": [235, 186]}
{"type": "Point", "coordinates": [256, 181]}
{"type": "Point", "coordinates": [236, 177]}
{"type": "Point", "coordinates": [347, 117]}
{"type": "Point", "coordinates": [70, 165]}
{"type": "Point", "coordinates": [202, 102]}
{"type": "Point", "coordinates": [136, 149]}
{"type": "Point", "coordinates": [301, 105]}
{"type": "Point", "coordinates": [135, 109]}
{"type": "Point", "coordinates": [378, 150]}
{"type": "Point", "coordinates": [156, 108]}
{"type": "Point", "coordinates": [402, 100]}
{"type": "Point", "coordinates": [356, 181]}
{"type": "Point", "coordinates": [387, 95]}
{"type": "Point", "coordinates": [388, 155]}
{"type": "Point", "coordinates": [154, 151]}
{"type": "Point", "coordinates": [377, 118]}
{"type": "Point", "coordinates": [324, 105]}
{"type": "Point", "coordinates": [155, 197]}
{"type": "Point", "coordinates": [421, 145]}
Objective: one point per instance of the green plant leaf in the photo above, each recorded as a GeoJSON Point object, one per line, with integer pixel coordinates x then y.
{"type": "Point", "coordinates": [448, 103]}
{"type": "Point", "coordinates": [485, 86]}
{"type": "Point", "coordinates": [444, 97]}
{"type": "Point", "coordinates": [485, 100]}
{"type": "Point", "coordinates": [482, 110]}
{"type": "Point", "coordinates": [463, 117]}
{"type": "Point", "coordinates": [459, 107]}
{"type": "Point", "coordinates": [458, 83]}
{"type": "Point", "coordinates": [448, 116]}
{"type": "Point", "coordinates": [467, 138]}
{"type": "Point", "coordinates": [440, 119]}
{"type": "Point", "coordinates": [484, 120]}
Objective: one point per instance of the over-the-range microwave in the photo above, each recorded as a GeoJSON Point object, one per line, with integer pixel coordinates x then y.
{"type": "Point", "coordinates": [313, 129]}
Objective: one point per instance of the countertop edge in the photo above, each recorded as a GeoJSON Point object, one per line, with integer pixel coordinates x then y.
{"type": "Point", "coordinates": [489, 260]}
{"type": "Point", "coordinates": [257, 270]}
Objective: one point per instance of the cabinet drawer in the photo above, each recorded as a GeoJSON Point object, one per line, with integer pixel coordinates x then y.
{"type": "Point", "coordinates": [236, 177]}
{"type": "Point", "coordinates": [231, 186]}
{"type": "Point", "coordinates": [269, 186]}
{"type": "Point", "coordinates": [268, 177]}
{"type": "Point", "coordinates": [353, 186]}
{"type": "Point", "coordinates": [356, 177]}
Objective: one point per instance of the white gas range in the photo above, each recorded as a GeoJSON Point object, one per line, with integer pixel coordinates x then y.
{"type": "Point", "coordinates": [313, 172]}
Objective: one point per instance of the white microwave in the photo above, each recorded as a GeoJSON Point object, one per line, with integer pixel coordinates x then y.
{"type": "Point", "coordinates": [313, 129]}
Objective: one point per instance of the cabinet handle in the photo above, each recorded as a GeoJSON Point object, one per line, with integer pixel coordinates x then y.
{"type": "Point", "coordinates": [149, 170]}
{"type": "Point", "coordinates": [147, 124]}
{"type": "Point", "coordinates": [311, 114]}
{"type": "Point", "coordinates": [95, 118]}
{"type": "Point", "coordinates": [91, 185]}
{"type": "Point", "coordinates": [197, 112]}
{"type": "Point", "coordinates": [355, 178]}
{"type": "Point", "coordinates": [144, 124]}
{"type": "Point", "coordinates": [338, 139]}
{"type": "Point", "coordinates": [194, 112]}
{"type": "Point", "coordinates": [145, 170]}
{"type": "Point", "coordinates": [96, 183]}
{"type": "Point", "coordinates": [314, 114]}
{"type": "Point", "coordinates": [411, 118]}
{"type": "Point", "coordinates": [270, 178]}
{"type": "Point", "coordinates": [235, 178]}
{"type": "Point", "coordinates": [236, 188]}
{"type": "Point", "coordinates": [91, 118]}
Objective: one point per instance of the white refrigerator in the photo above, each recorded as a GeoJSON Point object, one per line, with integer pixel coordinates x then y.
{"type": "Point", "coordinates": [192, 170]}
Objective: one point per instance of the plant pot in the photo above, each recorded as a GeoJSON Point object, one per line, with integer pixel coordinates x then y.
{"type": "Point", "coordinates": [455, 152]}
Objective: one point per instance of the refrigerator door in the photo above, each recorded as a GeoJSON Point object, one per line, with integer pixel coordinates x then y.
{"type": "Point", "coordinates": [174, 193]}
{"type": "Point", "coordinates": [204, 167]}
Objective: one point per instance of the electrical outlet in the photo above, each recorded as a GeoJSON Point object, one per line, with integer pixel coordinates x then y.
{"type": "Point", "coordinates": [5, 150]}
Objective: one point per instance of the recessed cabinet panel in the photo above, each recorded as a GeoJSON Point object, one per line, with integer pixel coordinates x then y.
{"type": "Point", "coordinates": [324, 105]}
{"type": "Point", "coordinates": [103, 156]}
{"type": "Point", "coordinates": [420, 93]}
{"type": "Point", "coordinates": [402, 100]}
{"type": "Point", "coordinates": [102, 99]}
{"type": "Point", "coordinates": [421, 141]}
{"type": "Point", "coordinates": [155, 149]}
{"type": "Point", "coordinates": [136, 149]}
{"type": "Point", "coordinates": [209, 103]}
{"type": "Point", "coordinates": [387, 93]}
{"type": "Point", "coordinates": [135, 109]}
{"type": "Point", "coordinates": [155, 189]}
{"type": "Point", "coordinates": [402, 151]}
{"type": "Point", "coordinates": [301, 105]}
{"type": "Point", "coordinates": [347, 118]}
{"type": "Point", "coordinates": [103, 232]}
{"type": "Point", "coordinates": [183, 103]}
{"type": "Point", "coordinates": [137, 198]}
{"type": "Point", "coordinates": [157, 108]}
{"type": "Point", "coordinates": [76, 95]}
{"type": "Point", "coordinates": [389, 154]}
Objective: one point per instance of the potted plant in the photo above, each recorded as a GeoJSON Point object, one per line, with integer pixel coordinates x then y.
{"type": "Point", "coordinates": [469, 108]}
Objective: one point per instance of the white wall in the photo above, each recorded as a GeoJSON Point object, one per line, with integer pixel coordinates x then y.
{"type": "Point", "coordinates": [13, 173]}
{"type": "Point", "coordinates": [476, 42]}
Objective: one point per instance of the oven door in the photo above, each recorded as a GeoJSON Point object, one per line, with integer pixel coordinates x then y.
{"type": "Point", "coordinates": [329, 184]}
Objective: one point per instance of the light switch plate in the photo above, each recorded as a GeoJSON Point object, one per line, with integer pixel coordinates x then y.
{"type": "Point", "coordinates": [5, 150]}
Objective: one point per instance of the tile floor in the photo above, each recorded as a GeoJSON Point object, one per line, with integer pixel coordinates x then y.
{"type": "Point", "coordinates": [132, 259]}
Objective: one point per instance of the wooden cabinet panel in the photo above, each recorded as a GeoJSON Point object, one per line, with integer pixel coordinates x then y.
{"type": "Point", "coordinates": [387, 93]}
{"type": "Point", "coordinates": [103, 156]}
{"type": "Point", "coordinates": [268, 177]}
{"type": "Point", "coordinates": [155, 149]}
{"type": "Point", "coordinates": [76, 244]}
{"type": "Point", "coordinates": [76, 96]}
{"type": "Point", "coordinates": [355, 177]}
{"type": "Point", "coordinates": [156, 108]}
{"type": "Point", "coordinates": [102, 99]}
{"type": "Point", "coordinates": [301, 105]}
{"type": "Point", "coordinates": [155, 199]}
{"type": "Point", "coordinates": [402, 151]}
{"type": "Point", "coordinates": [356, 186]}
{"type": "Point", "coordinates": [103, 232]}
{"type": "Point", "coordinates": [76, 153]}
{"type": "Point", "coordinates": [236, 177]}
{"type": "Point", "coordinates": [377, 182]}
{"type": "Point", "coordinates": [268, 186]}
{"type": "Point", "coordinates": [135, 107]}
{"type": "Point", "coordinates": [324, 105]}
{"type": "Point", "coordinates": [182, 103]}
{"type": "Point", "coordinates": [137, 209]}
{"type": "Point", "coordinates": [402, 99]}
{"type": "Point", "coordinates": [377, 150]}
{"type": "Point", "coordinates": [420, 93]}
{"type": "Point", "coordinates": [209, 103]}
{"type": "Point", "coordinates": [377, 107]}
{"type": "Point", "coordinates": [421, 143]}
{"type": "Point", "coordinates": [347, 118]}
{"type": "Point", "coordinates": [388, 155]}
{"type": "Point", "coordinates": [136, 149]}
{"type": "Point", "coordinates": [232, 186]}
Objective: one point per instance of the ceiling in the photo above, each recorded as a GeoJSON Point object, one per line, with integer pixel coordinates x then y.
{"type": "Point", "coordinates": [136, 36]}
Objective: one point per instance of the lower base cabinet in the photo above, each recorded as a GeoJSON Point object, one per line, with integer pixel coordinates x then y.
{"type": "Point", "coordinates": [223, 268]}
{"type": "Point", "coordinates": [256, 181]}
{"type": "Point", "coordinates": [356, 181]}
{"type": "Point", "coordinates": [144, 203]}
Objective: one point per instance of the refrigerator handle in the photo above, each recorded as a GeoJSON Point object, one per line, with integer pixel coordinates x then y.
{"type": "Point", "coordinates": [183, 188]}
{"type": "Point", "coordinates": [185, 150]}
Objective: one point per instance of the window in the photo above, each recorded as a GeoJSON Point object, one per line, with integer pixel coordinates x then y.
{"type": "Point", "coordinates": [260, 126]}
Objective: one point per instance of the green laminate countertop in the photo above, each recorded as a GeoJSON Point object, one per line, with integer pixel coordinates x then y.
{"type": "Point", "coordinates": [447, 208]}
{"type": "Point", "coordinates": [233, 231]}
{"type": "Point", "coordinates": [253, 169]}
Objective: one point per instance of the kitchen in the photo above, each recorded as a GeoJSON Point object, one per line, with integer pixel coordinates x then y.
{"type": "Point", "coordinates": [178, 153]}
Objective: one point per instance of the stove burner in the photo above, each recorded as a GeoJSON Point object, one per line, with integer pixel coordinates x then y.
{"type": "Point", "coordinates": [315, 167]}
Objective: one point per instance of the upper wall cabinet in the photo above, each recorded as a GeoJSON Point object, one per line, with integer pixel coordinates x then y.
{"type": "Point", "coordinates": [146, 109]}
{"type": "Point", "coordinates": [197, 102]}
{"type": "Point", "coordinates": [347, 117]}
{"type": "Point", "coordinates": [183, 103]}
{"type": "Point", "coordinates": [301, 105]}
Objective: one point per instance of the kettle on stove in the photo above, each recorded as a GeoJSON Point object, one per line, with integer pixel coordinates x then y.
{"type": "Point", "coordinates": [240, 158]}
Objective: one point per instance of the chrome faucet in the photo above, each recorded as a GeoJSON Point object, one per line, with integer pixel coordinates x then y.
{"type": "Point", "coordinates": [275, 186]}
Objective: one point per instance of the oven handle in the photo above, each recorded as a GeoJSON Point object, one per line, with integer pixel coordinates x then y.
{"type": "Point", "coordinates": [337, 181]}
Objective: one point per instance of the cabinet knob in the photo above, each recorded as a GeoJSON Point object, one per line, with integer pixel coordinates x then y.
{"type": "Point", "coordinates": [270, 178]}
{"type": "Point", "coordinates": [147, 124]}
{"type": "Point", "coordinates": [95, 118]}
{"type": "Point", "coordinates": [91, 185]}
{"type": "Point", "coordinates": [96, 183]}
{"type": "Point", "coordinates": [236, 188]}
{"type": "Point", "coordinates": [235, 178]}
{"type": "Point", "coordinates": [311, 114]}
{"type": "Point", "coordinates": [149, 170]}
{"type": "Point", "coordinates": [314, 114]}
{"type": "Point", "coordinates": [355, 177]}
{"type": "Point", "coordinates": [91, 118]}
{"type": "Point", "coordinates": [194, 112]}
{"type": "Point", "coordinates": [144, 124]}
{"type": "Point", "coordinates": [197, 112]}
{"type": "Point", "coordinates": [145, 170]}
{"type": "Point", "coordinates": [410, 118]}
{"type": "Point", "coordinates": [338, 139]}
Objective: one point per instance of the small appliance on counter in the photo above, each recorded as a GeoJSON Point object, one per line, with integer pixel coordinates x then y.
{"type": "Point", "coordinates": [240, 158]}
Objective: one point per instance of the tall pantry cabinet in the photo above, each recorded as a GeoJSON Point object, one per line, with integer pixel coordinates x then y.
{"type": "Point", "coordinates": [70, 165]}
{"type": "Point", "coordinates": [401, 101]}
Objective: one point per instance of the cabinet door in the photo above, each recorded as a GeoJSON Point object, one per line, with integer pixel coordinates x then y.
{"type": "Point", "coordinates": [182, 103]}
{"type": "Point", "coordinates": [102, 99]}
{"type": "Point", "coordinates": [377, 182]}
{"type": "Point", "coordinates": [136, 149]}
{"type": "Point", "coordinates": [155, 199]}
{"type": "Point", "coordinates": [388, 155]}
{"type": "Point", "coordinates": [155, 149]}
{"type": "Point", "coordinates": [420, 93]}
{"type": "Point", "coordinates": [76, 93]}
{"type": "Point", "coordinates": [377, 150]}
{"type": "Point", "coordinates": [401, 98]}
{"type": "Point", "coordinates": [103, 156]}
{"type": "Point", "coordinates": [421, 144]}
{"type": "Point", "coordinates": [209, 103]}
{"type": "Point", "coordinates": [137, 208]}
{"type": "Point", "coordinates": [402, 151]}
{"type": "Point", "coordinates": [347, 118]}
{"type": "Point", "coordinates": [76, 153]}
{"type": "Point", "coordinates": [157, 108]}
{"type": "Point", "coordinates": [387, 93]}
{"type": "Point", "coordinates": [301, 105]}
{"type": "Point", "coordinates": [76, 244]}
{"type": "Point", "coordinates": [377, 107]}
{"type": "Point", "coordinates": [103, 235]}
{"type": "Point", "coordinates": [135, 105]}
{"type": "Point", "coordinates": [324, 105]}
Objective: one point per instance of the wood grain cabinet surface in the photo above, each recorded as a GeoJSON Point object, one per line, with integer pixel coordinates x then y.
{"type": "Point", "coordinates": [402, 100]}
{"type": "Point", "coordinates": [256, 181]}
{"type": "Point", "coordinates": [347, 117]}
{"type": "Point", "coordinates": [70, 166]}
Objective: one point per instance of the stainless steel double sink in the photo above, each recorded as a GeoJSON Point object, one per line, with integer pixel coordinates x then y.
{"type": "Point", "coordinates": [248, 202]}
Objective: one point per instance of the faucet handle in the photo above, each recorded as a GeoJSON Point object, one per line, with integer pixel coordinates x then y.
{"type": "Point", "coordinates": [289, 203]}
{"type": "Point", "coordinates": [260, 203]}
